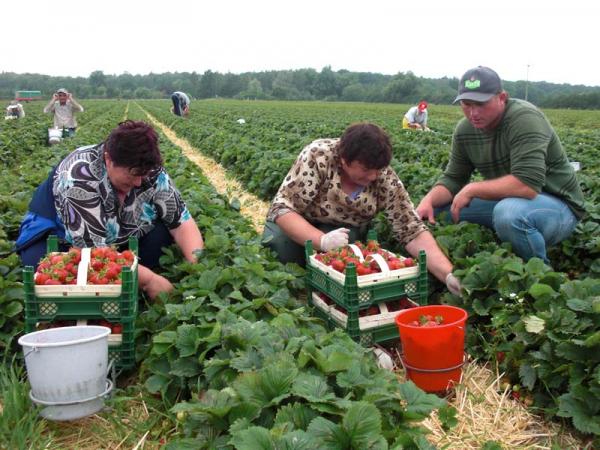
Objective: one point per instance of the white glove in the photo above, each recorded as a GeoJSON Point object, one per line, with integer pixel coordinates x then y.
{"type": "Point", "coordinates": [453, 284]}
{"type": "Point", "coordinates": [334, 239]}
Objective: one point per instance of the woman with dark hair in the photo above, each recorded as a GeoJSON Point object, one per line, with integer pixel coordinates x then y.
{"type": "Point", "coordinates": [333, 191]}
{"type": "Point", "coordinates": [100, 195]}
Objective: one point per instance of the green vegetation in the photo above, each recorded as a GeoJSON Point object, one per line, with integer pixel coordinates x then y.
{"type": "Point", "coordinates": [232, 358]}
{"type": "Point", "coordinates": [301, 84]}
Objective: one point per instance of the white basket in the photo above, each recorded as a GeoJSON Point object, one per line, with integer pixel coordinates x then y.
{"type": "Point", "coordinates": [385, 317]}
{"type": "Point", "coordinates": [365, 280]}
{"type": "Point", "coordinates": [81, 289]}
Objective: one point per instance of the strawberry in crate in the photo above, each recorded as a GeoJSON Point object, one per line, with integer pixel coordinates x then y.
{"type": "Point", "coordinates": [58, 268]}
{"type": "Point", "coordinates": [366, 257]}
{"type": "Point", "coordinates": [106, 265]}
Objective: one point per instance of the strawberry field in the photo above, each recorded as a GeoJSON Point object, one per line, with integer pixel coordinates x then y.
{"type": "Point", "coordinates": [233, 358]}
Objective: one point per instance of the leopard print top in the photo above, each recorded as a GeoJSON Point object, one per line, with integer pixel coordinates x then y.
{"type": "Point", "coordinates": [313, 189]}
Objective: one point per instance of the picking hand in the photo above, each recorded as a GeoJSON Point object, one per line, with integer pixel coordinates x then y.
{"type": "Point", "coordinates": [334, 239]}
{"type": "Point", "coordinates": [453, 284]}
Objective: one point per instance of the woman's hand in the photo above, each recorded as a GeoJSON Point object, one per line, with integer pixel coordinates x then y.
{"type": "Point", "coordinates": [151, 283]}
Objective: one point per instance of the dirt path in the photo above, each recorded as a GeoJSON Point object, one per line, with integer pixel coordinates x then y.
{"type": "Point", "coordinates": [251, 206]}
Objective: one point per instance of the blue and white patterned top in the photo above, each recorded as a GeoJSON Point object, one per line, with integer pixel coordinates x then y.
{"type": "Point", "coordinates": [89, 207]}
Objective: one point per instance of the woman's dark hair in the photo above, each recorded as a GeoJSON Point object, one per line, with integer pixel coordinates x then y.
{"type": "Point", "coordinates": [134, 144]}
{"type": "Point", "coordinates": [366, 143]}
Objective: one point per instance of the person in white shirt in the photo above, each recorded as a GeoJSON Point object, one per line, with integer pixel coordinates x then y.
{"type": "Point", "coordinates": [15, 110]}
{"type": "Point", "coordinates": [181, 103]}
{"type": "Point", "coordinates": [416, 117]}
{"type": "Point", "coordinates": [64, 107]}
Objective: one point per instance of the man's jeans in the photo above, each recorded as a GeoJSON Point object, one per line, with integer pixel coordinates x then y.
{"type": "Point", "coordinates": [529, 225]}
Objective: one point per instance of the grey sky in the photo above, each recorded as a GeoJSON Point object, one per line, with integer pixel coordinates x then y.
{"type": "Point", "coordinates": [431, 38]}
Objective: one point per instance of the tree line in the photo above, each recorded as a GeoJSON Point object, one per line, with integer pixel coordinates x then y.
{"type": "Point", "coordinates": [301, 84]}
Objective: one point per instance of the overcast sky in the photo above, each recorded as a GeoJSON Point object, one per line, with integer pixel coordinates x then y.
{"type": "Point", "coordinates": [555, 41]}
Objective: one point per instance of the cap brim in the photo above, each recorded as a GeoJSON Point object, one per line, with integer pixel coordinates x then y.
{"type": "Point", "coordinates": [474, 96]}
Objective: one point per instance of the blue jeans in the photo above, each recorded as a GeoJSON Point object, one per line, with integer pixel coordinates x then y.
{"type": "Point", "coordinates": [529, 225]}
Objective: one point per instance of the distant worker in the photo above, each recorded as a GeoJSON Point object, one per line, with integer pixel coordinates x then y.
{"type": "Point", "coordinates": [14, 110]}
{"type": "Point", "coordinates": [416, 117]}
{"type": "Point", "coordinates": [63, 106]}
{"type": "Point", "coordinates": [181, 104]}
{"type": "Point", "coordinates": [528, 192]}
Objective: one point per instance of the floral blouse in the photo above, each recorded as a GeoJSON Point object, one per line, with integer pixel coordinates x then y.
{"type": "Point", "coordinates": [88, 205]}
{"type": "Point", "coordinates": [313, 189]}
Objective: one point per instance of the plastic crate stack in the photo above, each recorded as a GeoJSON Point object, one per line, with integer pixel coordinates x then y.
{"type": "Point", "coordinates": [327, 289]}
{"type": "Point", "coordinates": [117, 305]}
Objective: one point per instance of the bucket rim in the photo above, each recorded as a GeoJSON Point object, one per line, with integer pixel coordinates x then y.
{"type": "Point", "coordinates": [425, 308]}
{"type": "Point", "coordinates": [105, 331]}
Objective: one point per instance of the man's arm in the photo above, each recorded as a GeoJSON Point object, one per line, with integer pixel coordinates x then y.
{"type": "Point", "coordinates": [496, 189]}
{"type": "Point", "coordinates": [188, 237]}
{"type": "Point", "coordinates": [438, 196]}
{"type": "Point", "coordinates": [50, 106]}
{"type": "Point", "coordinates": [76, 106]}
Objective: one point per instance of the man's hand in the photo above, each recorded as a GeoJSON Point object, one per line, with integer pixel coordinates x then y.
{"type": "Point", "coordinates": [460, 201]}
{"type": "Point", "coordinates": [334, 239]}
{"type": "Point", "coordinates": [453, 284]}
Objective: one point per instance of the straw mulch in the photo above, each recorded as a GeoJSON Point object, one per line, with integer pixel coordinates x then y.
{"type": "Point", "coordinates": [251, 206]}
{"type": "Point", "coordinates": [486, 412]}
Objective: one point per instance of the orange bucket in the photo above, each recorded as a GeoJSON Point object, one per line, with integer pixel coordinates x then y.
{"type": "Point", "coordinates": [433, 356]}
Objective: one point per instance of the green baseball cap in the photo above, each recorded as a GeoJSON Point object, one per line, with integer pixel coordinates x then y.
{"type": "Point", "coordinates": [479, 85]}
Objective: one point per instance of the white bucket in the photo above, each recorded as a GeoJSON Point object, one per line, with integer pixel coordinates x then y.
{"type": "Point", "coordinates": [67, 369]}
{"type": "Point", "coordinates": [55, 135]}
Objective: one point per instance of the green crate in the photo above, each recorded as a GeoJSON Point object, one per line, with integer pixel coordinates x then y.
{"type": "Point", "coordinates": [353, 297]}
{"type": "Point", "coordinates": [367, 337]}
{"type": "Point", "coordinates": [38, 308]}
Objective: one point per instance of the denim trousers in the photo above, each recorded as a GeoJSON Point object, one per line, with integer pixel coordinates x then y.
{"type": "Point", "coordinates": [529, 225]}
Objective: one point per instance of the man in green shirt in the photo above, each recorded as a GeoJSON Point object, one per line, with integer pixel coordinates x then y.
{"type": "Point", "coordinates": [529, 194]}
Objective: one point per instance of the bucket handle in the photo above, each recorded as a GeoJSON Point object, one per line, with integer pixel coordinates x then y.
{"type": "Point", "coordinates": [446, 369]}
{"type": "Point", "coordinates": [33, 349]}
{"type": "Point", "coordinates": [109, 386]}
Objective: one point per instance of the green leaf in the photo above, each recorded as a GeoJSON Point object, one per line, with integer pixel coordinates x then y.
{"type": "Point", "coordinates": [527, 375]}
{"type": "Point", "coordinates": [577, 304]}
{"type": "Point", "coordinates": [208, 280]}
{"type": "Point", "coordinates": [14, 293]}
{"type": "Point", "coordinates": [185, 367]}
{"type": "Point", "coordinates": [419, 403]}
{"type": "Point", "coordinates": [539, 290]}
{"type": "Point", "coordinates": [165, 337]}
{"type": "Point", "coordinates": [447, 415]}
{"type": "Point", "coordinates": [13, 309]}
{"type": "Point", "coordinates": [253, 438]}
{"type": "Point", "coordinates": [330, 435]}
{"type": "Point", "coordinates": [362, 423]}
{"type": "Point", "coordinates": [593, 340]}
{"type": "Point", "coordinates": [188, 340]}
{"type": "Point", "coordinates": [296, 414]}
{"type": "Point", "coordinates": [157, 383]}
{"type": "Point", "coordinates": [313, 388]}
{"type": "Point", "coordinates": [584, 419]}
